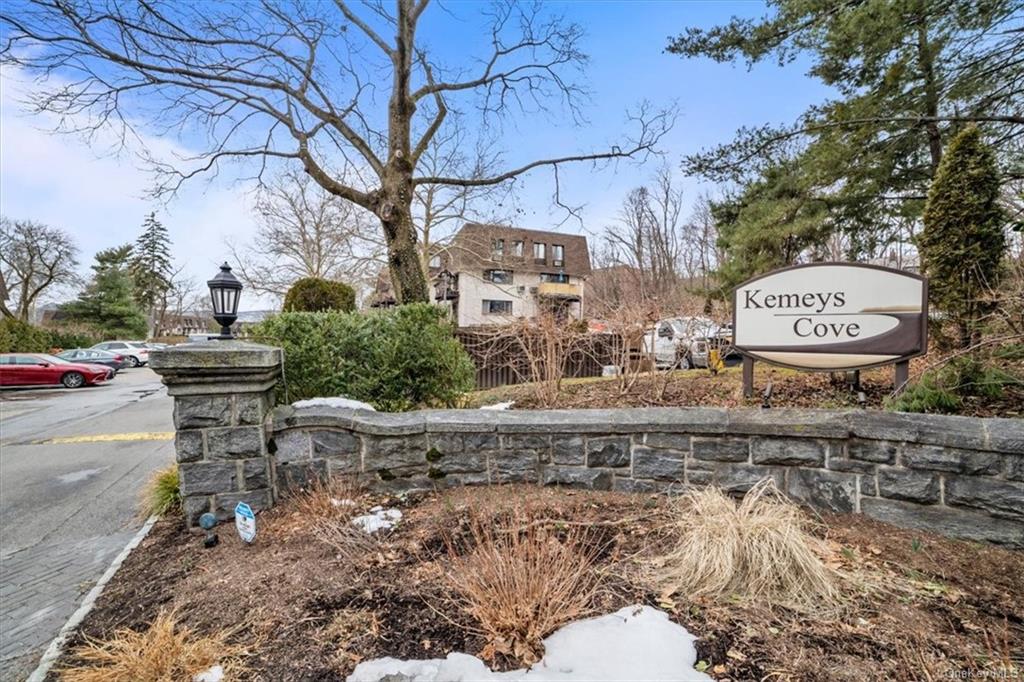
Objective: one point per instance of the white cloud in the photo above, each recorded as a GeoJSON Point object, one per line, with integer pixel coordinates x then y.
{"type": "Point", "coordinates": [100, 199]}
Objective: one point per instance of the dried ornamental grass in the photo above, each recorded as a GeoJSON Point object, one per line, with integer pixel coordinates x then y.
{"type": "Point", "coordinates": [521, 581]}
{"type": "Point", "coordinates": [166, 652]}
{"type": "Point", "coordinates": [758, 549]}
{"type": "Point", "coordinates": [330, 507]}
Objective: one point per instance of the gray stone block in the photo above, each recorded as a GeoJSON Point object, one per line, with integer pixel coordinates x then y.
{"type": "Point", "coordinates": [195, 506]}
{"type": "Point", "coordinates": [739, 478]}
{"type": "Point", "coordinates": [568, 450]}
{"type": "Point", "coordinates": [525, 441]}
{"type": "Point", "coordinates": [514, 467]}
{"type": "Point", "coordinates": [665, 465]}
{"type": "Point", "coordinates": [722, 449]}
{"type": "Point", "coordinates": [850, 465]}
{"type": "Point", "coordinates": [1005, 435]}
{"type": "Point", "coordinates": [791, 451]}
{"type": "Point", "coordinates": [669, 441]}
{"type": "Point", "coordinates": [207, 478]}
{"type": "Point", "coordinates": [251, 408]}
{"type": "Point", "coordinates": [480, 441]}
{"type": "Point", "coordinates": [789, 422]}
{"type": "Point", "coordinates": [954, 460]}
{"type": "Point", "coordinates": [958, 523]}
{"type": "Point", "coordinates": [446, 443]}
{"type": "Point", "coordinates": [295, 476]}
{"type": "Point", "coordinates": [291, 446]}
{"type": "Point", "coordinates": [259, 500]}
{"type": "Point", "coordinates": [878, 451]}
{"type": "Point", "coordinates": [237, 442]}
{"type": "Point", "coordinates": [612, 451]}
{"type": "Point", "coordinates": [256, 473]}
{"type": "Point", "coordinates": [827, 490]}
{"type": "Point", "coordinates": [334, 444]}
{"type": "Point", "coordinates": [200, 412]}
{"type": "Point", "coordinates": [913, 486]}
{"type": "Point", "coordinates": [394, 452]}
{"type": "Point", "coordinates": [462, 463]}
{"type": "Point", "coordinates": [999, 498]}
{"type": "Point", "coordinates": [388, 423]}
{"type": "Point", "coordinates": [699, 477]}
{"type": "Point", "coordinates": [577, 477]}
{"type": "Point", "coordinates": [188, 445]}
{"type": "Point", "coordinates": [1014, 467]}
{"type": "Point", "coordinates": [629, 485]}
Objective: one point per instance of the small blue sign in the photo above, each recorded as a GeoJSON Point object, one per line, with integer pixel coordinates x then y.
{"type": "Point", "coordinates": [245, 522]}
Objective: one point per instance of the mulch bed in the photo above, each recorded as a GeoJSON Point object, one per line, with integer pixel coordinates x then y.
{"type": "Point", "coordinates": [922, 606]}
{"type": "Point", "coordinates": [789, 388]}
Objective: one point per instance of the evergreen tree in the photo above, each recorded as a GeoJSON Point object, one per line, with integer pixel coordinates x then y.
{"type": "Point", "coordinates": [150, 266]}
{"type": "Point", "coordinates": [108, 303]}
{"type": "Point", "coordinates": [963, 241]}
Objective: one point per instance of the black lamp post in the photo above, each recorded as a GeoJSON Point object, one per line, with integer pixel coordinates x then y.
{"type": "Point", "coordinates": [225, 290]}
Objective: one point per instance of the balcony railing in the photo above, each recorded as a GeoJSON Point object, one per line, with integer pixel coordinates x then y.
{"type": "Point", "coordinates": [560, 290]}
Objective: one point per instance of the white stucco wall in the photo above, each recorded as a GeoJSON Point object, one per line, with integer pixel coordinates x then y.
{"type": "Point", "coordinates": [473, 291]}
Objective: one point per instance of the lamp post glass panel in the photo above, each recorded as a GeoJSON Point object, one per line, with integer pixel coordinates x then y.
{"type": "Point", "coordinates": [225, 290]}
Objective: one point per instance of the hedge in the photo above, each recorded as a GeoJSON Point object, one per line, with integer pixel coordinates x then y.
{"type": "Point", "coordinates": [395, 359]}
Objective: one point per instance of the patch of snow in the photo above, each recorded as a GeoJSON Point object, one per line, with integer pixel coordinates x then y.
{"type": "Point", "coordinates": [379, 518]}
{"type": "Point", "coordinates": [499, 406]}
{"type": "Point", "coordinates": [634, 643]}
{"type": "Point", "coordinates": [342, 503]}
{"type": "Point", "coordinates": [214, 674]}
{"type": "Point", "coordinates": [338, 401]}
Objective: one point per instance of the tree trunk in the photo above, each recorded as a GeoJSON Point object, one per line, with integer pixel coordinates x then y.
{"type": "Point", "coordinates": [931, 94]}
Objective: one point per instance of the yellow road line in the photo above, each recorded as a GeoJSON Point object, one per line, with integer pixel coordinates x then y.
{"type": "Point", "coordinates": [107, 438]}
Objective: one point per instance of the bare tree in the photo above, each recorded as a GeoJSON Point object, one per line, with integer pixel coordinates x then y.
{"type": "Point", "coordinates": [34, 258]}
{"type": "Point", "coordinates": [299, 81]}
{"type": "Point", "coordinates": [305, 231]}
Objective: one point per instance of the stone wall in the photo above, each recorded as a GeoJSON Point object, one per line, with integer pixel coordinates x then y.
{"type": "Point", "coordinates": [955, 475]}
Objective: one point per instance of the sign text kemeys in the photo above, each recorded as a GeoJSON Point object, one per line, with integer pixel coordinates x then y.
{"type": "Point", "coordinates": [832, 316]}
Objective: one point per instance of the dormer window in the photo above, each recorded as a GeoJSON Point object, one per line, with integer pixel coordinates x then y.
{"type": "Point", "coordinates": [558, 255]}
{"type": "Point", "coordinates": [517, 248]}
{"type": "Point", "coordinates": [498, 249]}
{"type": "Point", "coordinates": [540, 253]}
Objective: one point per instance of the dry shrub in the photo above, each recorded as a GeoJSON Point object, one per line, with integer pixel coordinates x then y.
{"type": "Point", "coordinates": [349, 628]}
{"type": "Point", "coordinates": [161, 493]}
{"type": "Point", "coordinates": [329, 507]}
{"type": "Point", "coordinates": [758, 549]}
{"type": "Point", "coordinates": [166, 652]}
{"type": "Point", "coordinates": [520, 579]}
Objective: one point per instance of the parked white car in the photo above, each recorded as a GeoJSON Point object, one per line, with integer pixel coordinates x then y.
{"type": "Point", "coordinates": [136, 351]}
{"type": "Point", "coordinates": [680, 342]}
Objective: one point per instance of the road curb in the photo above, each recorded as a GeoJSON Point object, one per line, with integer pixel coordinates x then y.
{"type": "Point", "coordinates": [56, 647]}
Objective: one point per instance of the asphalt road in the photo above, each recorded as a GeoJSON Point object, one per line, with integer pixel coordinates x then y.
{"type": "Point", "coordinates": [72, 464]}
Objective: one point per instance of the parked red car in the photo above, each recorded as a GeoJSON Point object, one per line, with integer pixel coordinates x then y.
{"type": "Point", "coordinates": [40, 369]}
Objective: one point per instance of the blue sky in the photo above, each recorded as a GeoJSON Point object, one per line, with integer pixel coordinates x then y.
{"type": "Point", "coordinates": [100, 200]}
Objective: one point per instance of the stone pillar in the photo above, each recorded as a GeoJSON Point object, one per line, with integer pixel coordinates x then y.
{"type": "Point", "coordinates": [223, 392]}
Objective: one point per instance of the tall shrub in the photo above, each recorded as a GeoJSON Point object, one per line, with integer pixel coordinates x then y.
{"type": "Point", "coordinates": [963, 243]}
{"type": "Point", "coordinates": [312, 294]}
{"type": "Point", "coordinates": [395, 359]}
{"type": "Point", "coordinates": [21, 337]}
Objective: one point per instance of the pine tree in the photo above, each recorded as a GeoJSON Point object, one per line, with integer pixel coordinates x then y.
{"type": "Point", "coordinates": [963, 241]}
{"type": "Point", "coordinates": [150, 266]}
{"type": "Point", "coordinates": [108, 303]}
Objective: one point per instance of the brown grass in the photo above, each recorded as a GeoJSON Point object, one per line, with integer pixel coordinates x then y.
{"type": "Point", "coordinates": [759, 549]}
{"type": "Point", "coordinates": [166, 652]}
{"type": "Point", "coordinates": [520, 580]}
{"type": "Point", "coordinates": [328, 508]}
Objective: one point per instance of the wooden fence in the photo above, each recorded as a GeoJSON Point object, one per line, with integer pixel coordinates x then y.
{"type": "Point", "coordinates": [501, 363]}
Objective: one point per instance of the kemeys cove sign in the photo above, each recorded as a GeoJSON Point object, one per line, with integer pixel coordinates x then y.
{"type": "Point", "coordinates": [832, 316]}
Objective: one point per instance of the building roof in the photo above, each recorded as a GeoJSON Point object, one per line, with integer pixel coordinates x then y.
{"type": "Point", "coordinates": [472, 249]}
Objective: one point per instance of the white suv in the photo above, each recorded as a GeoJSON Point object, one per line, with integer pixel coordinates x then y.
{"type": "Point", "coordinates": [135, 351]}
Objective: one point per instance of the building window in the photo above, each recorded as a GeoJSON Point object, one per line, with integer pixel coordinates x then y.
{"type": "Point", "coordinates": [539, 252]}
{"type": "Point", "coordinates": [497, 307]}
{"type": "Point", "coordinates": [517, 248]}
{"type": "Point", "coordinates": [435, 261]}
{"type": "Point", "coordinates": [559, 277]}
{"type": "Point", "coordinates": [498, 249]}
{"type": "Point", "coordinates": [498, 276]}
{"type": "Point", "coordinates": [557, 255]}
